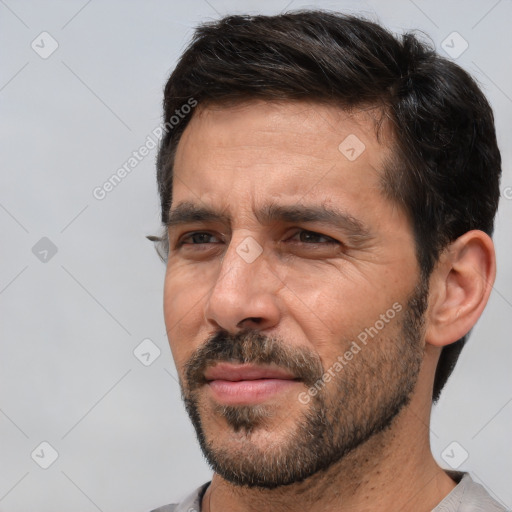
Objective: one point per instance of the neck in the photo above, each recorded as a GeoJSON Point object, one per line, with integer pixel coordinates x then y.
{"type": "Point", "coordinates": [393, 470]}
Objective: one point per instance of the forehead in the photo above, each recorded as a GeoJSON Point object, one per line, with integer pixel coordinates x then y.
{"type": "Point", "coordinates": [290, 150]}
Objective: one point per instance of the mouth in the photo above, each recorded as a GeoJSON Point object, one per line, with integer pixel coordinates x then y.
{"type": "Point", "coordinates": [246, 384]}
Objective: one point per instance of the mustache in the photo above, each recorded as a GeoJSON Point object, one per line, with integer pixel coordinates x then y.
{"type": "Point", "coordinates": [250, 346]}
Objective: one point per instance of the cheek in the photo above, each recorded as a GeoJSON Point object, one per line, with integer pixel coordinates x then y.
{"type": "Point", "coordinates": [185, 288]}
{"type": "Point", "coordinates": [183, 311]}
{"type": "Point", "coordinates": [335, 309]}
{"type": "Point", "coordinates": [318, 294]}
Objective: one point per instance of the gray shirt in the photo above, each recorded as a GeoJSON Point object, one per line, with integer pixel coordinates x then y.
{"type": "Point", "coordinates": [467, 496]}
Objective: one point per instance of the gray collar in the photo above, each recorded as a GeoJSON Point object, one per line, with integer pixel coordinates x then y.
{"type": "Point", "coordinates": [467, 496]}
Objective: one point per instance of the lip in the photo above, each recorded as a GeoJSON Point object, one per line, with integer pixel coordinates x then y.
{"type": "Point", "coordinates": [245, 384]}
{"type": "Point", "coordinates": [237, 372]}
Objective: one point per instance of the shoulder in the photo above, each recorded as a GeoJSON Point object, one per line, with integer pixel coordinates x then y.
{"type": "Point", "coordinates": [192, 503]}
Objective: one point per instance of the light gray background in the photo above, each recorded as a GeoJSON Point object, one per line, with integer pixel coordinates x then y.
{"type": "Point", "coordinates": [69, 326]}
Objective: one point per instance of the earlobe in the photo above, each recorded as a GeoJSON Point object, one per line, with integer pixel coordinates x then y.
{"type": "Point", "coordinates": [460, 286]}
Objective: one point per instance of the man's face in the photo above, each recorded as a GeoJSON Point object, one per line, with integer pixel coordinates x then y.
{"type": "Point", "coordinates": [292, 295]}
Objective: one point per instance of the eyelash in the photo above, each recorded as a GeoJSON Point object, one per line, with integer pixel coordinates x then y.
{"type": "Point", "coordinates": [329, 240]}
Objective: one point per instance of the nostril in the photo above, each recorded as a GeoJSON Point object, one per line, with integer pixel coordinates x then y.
{"type": "Point", "coordinates": [253, 319]}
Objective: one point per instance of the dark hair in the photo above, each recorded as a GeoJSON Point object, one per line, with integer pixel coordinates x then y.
{"type": "Point", "coordinates": [446, 165]}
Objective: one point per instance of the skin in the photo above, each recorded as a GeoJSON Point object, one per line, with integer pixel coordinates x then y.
{"type": "Point", "coordinates": [311, 291]}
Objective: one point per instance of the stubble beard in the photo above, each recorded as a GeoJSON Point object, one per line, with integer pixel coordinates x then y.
{"type": "Point", "coordinates": [363, 400]}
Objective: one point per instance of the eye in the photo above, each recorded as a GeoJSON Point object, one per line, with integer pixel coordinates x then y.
{"type": "Point", "coordinates": [311, 237]}
{"type": "Point", "coordinates": [198, 238]}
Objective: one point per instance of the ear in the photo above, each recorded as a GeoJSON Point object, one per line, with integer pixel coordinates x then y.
{"type": "Point", "coordinates": [460, 286]}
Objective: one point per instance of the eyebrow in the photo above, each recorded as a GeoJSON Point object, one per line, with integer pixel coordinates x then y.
{"type": "Point", "coordinates": [303, 214]}
{"type": "Point", "coordinates": [188, 213]}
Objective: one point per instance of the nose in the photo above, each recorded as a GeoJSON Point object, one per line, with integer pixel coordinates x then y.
{"type": "Point", "coordinates": [245, 291]}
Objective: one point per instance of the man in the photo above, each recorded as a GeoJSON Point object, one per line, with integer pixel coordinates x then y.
{"type": "Point", "coordinates": [328, 194]}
